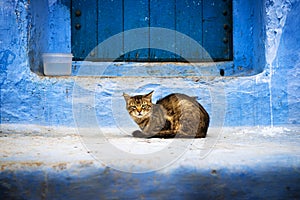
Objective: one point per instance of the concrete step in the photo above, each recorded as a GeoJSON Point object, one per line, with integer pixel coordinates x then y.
{"type": "Point", "coordinates": [231, 163]}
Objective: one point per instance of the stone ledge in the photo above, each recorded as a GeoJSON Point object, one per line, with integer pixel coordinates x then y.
{"type": "Point", "coordinates": [245, 162]}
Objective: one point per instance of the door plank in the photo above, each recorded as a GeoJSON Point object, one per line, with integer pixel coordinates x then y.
{"type": "Point", "coordinates": [162, 15]}
{"type": "Point", "coordinates": [110, 23]}
{"type": "Point", "coordinates": [83, 27]}
{"type": "Point", "coordinates": [216, 40]}
{"type": "Point", "coordinates": [136, 15]}
{"type": "Point", "coordinates": [189, 22]}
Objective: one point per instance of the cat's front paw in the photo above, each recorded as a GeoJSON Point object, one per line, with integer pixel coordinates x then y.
{"type": "Point", "coordinates": [138, 134]}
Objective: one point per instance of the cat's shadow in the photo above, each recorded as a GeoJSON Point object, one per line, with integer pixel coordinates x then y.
{"type": "Point", "coordinates": [139, 134]}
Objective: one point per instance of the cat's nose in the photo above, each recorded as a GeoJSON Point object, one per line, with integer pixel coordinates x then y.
{"type": "Point", "coordinates": [139, 112]}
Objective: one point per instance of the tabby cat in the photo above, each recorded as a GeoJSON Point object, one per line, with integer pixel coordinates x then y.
{"type": "Point", "coordinates": [176, 115]}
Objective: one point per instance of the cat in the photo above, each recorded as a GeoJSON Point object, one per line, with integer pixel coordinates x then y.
{"type": "Point", "coordinates": [176, 115]}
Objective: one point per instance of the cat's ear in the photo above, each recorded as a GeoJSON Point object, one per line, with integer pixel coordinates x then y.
{"type": "Point", "coordinates": [126, 96]}
{"type": "Point", "coordinates": [149, 95]}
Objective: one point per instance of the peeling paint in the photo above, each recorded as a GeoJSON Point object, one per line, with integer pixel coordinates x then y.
{"type": "Point", "coordinates": [277, 13]}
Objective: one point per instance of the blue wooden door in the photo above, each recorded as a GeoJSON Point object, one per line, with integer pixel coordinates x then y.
{"type": "Point", "coordinates": [206, 21]}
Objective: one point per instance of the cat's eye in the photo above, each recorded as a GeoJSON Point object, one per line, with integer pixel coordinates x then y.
{"type": "Point", "coordinates": [132, 107]}
{"type": "Point", "coordinates": [144, 106]}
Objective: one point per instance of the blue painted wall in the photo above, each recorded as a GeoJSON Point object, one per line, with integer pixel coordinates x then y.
{"type": "Point", "coordinates": [286, 71]}
{"type": "Point", "coordinates": [269, 96]}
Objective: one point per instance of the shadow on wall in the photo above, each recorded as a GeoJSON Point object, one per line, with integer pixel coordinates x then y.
{"type": "Point", "coordinates": [186, 184]}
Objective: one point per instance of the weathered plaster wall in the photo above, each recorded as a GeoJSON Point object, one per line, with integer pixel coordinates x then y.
{"type": "Point", "coordinates": [284, 66]}
{"type": "Point", "coordinates": [26, 97]}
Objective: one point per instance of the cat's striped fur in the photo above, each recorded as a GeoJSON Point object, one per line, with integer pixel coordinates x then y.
{"type": "Point", "coordinates": [176, 115]}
